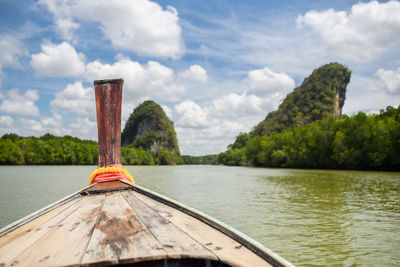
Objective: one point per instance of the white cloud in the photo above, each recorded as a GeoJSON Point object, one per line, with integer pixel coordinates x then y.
{"type": "Point", "coordinates": [54, 125]}
{"type": "Point", "coordinates": [11, 50]}
{"type": "Point", "coordinates": [194, 73]}
{"type": "Point", "coordinates": [391, 79]}
{"type": "Point", "coordinates": [141, 25]}
{"type": "Point", "coordinates": [366, 94]}
{"type": "Point", "coordinates": [75, 99]}
{"type": "Point", "coordinates": [20, 104]}
{"type": "Point", "coordinates": [85, 128]}
{"type": "Point", "coordinates": [6, 122]}
{"type": "Point", "coordinates": [209, 127]}
{"type": "Point", "coordinates": [211, 140]}
{"type": "Point", "coordinates": [364, 33]}
{"type": "Point", "coordinates": [66, 27]}
{"type": "Point", "coordinates": [239, 106]}
{"type": "Point", "coordinates": [60, 60]}
{"type": "Point", "coordinates": [264, 82]}
{"type": "Point", "coordinates": [167, 111]}
{"type": "Point", "coordinates": [141, 82]}
{"type": "Point", "coordinates": [29, 126]}
{"type": "Point", "coordinates": [191, 115]}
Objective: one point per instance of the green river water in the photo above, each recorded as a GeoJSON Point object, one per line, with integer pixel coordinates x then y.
{"type": "Point", "coordinates": [309, 217]}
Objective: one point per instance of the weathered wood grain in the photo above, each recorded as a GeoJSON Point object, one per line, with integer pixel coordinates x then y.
{"type": "Point", "coordinates": [120, 235]}
{"type": "Point", "coordinates": [175, 242]}
{"type": "Point", "coordinates": [65, 243]}
{"type": "Point", "coordinates": [108, 106]}
{"type": "Point", "coordinates": [17, 241]}
{"type": "Point", "coordinates": [120, 227]}
{"type": "Point", "coordinates": [106, 187]}
{"type": "Point", "coordinates": [228, 250]}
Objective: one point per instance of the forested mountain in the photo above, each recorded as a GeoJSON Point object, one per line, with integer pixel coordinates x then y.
{"type": "Point", "coordinates": [149, 128]}
{"type": "Point", "coordinates": [321, 95]}
{"type": "Point", "coordinates": [308, 130]}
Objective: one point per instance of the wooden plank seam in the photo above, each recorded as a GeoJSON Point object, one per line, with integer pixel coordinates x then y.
{"type": "Point", "coordinates": [77, 205]}
{"type": "Point", "coordinates": [91, 232]}
{"type": "Point", "coordinates": [171, 223]}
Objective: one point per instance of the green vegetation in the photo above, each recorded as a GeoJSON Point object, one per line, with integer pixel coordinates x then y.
{"type": "Point", "coordinates": [200, 160]}
{"type": "Point", "coordinates": [320, 96]}
{"type": "Point", "coordinates": [47, 149]}
{"type": "Point", "coordinates": [50, 149]}
{"type": "Point", "coordinates": [149, 138]}
{"type": "Point", "coordinates": [357, 142]}
{"type": "Point", "coordinates": [148, 128]}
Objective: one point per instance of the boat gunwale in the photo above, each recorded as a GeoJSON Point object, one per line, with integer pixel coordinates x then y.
{"type": "Point", "coordinates": [31, 216]}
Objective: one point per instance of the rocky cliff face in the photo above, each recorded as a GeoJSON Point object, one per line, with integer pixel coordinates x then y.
{"type": "Point", "coordinates": [149, 128]}
{"type": "Point", "coordinates": [339, 101]}
{"type": "Point", "coordinates": [321, 95]}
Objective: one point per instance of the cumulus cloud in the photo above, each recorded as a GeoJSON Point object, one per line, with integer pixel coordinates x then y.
{"type": "Point", "coordinates": [210, 140]}
{"type": "Point", "coordinates": [66, 27]}
{"type": "Point", "coordinates": [142, 26]}
{"type": "Point", "coordinates": [151, 80]}
{"type": "Point", "coordinates": [167, 111]}
{"type": "Point", "coordinates": [74, 106]}
{"type": "Point", "coordinates": [29, 126]}
{"type": "Point", "coordinates": [367, 94]}
{"type": "Point", "coordinates": [263, 82]}
{"type": "Point", "coordinates": [195, 73]}
{"type": "Point", "coordinates": [60, 60]}
{"type": "Point", "coordinates": [20, 104]}
{"type": "Point", "coordinates": [74, 99]}
{"type": "Point", "coordinates": [6, 122]}
{"type": "Point", "coordinates": [191, 115]}
{"type": "Point", "coordinates": [239, 106]}
{"type": "Point", "coordinates": [391, 80]}
{"type": "Point", "coordinates": [54, 125]}
{"type": "Point", "coordinates": [141, 82]}
{"type": "Point", "coordinates": [360, 35]}
{"type": "Point", "coordinates": [85, 128]}
{"type": "Point", "coordinates": [209, 127]}
{"type": "Point", "coordinates": [11, 49]}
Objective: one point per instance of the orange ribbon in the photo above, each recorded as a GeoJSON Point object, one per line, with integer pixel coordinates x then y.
{"type": "Point", "coordinates": [110, 173]}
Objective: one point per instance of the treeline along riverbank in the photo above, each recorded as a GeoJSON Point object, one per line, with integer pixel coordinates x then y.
{"type": "Point", "coordinates": [67, 150]}
{"type": "Point", "coordinates": [357, 142]}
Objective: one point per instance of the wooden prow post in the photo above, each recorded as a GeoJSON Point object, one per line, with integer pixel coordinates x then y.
{"type": "Point", "coordinates": [108, 107]}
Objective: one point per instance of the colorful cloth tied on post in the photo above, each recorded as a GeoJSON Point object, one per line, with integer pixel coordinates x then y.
{"type": "Point", "coordinates": [110, 173]}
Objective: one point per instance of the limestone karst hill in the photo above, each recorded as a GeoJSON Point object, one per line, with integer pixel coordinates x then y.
{"type": "Point", "coordinates": [149, 128]}
{"type": "Point", "coordinates": [321, 95]}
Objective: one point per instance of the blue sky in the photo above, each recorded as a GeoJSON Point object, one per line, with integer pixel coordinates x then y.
{"type": "Point", "coordinates": [216, 67]}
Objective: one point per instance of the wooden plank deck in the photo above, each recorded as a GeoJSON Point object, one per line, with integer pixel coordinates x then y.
{"type": "Point", "coordinates": [118, 227]}
{"type": "Point", "coordinates": [224, 247]}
